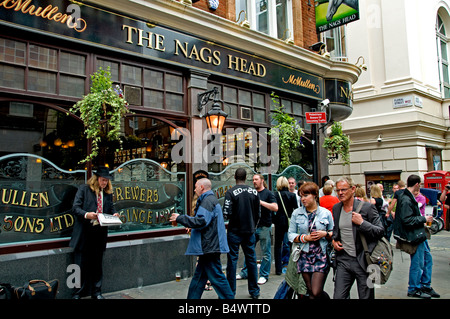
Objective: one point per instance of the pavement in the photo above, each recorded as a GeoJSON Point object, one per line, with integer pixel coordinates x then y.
{"type": "Point", "coordinates": [395, 288]}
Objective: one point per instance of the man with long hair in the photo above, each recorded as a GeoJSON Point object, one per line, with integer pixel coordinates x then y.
{"type": "Point", "coordinates": [88, 237]}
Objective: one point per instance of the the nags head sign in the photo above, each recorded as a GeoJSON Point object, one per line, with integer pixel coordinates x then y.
{"type": "Point", "coordinates": [335, 13]}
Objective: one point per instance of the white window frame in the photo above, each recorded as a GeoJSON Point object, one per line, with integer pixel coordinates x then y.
{"type": "Point", "coordinates": [272, 19]}
{"type": "Point", "coordinates": [440, 37]}
{"type": "Point", "coordinates": [340, 45]}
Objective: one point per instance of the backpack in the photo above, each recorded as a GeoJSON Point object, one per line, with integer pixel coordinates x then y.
{"type": "Point", "coordinates": [380, 261]}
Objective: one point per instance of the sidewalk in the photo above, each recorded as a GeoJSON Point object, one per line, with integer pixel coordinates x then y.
{"type": "Point", "coordinates": [395, 288]}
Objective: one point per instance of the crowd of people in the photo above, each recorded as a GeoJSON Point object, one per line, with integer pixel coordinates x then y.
{"type": "Point", "coordinates": [308, 223]}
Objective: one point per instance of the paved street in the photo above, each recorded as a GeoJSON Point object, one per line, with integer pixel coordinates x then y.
{"type": "Point", "coordinates": [395, 288]}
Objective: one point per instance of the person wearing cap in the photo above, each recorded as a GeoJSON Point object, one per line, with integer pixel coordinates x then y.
{"type": "Point", "coordinates": [88, 237]}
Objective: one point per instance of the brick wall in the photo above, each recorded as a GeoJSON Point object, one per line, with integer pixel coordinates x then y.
{"type": "Point", "coordinates": [308, 17]}
{"type": "Point", "coordinates": [303, 15]}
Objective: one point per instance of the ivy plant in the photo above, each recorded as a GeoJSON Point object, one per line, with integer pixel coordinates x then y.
{"type": "Point", "coordinates": [101, 111]}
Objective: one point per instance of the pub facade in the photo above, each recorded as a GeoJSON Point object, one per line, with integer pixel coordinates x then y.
{"type": "Point", "coordinates": [162, 55]}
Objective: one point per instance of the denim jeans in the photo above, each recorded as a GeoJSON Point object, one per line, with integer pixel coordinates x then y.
{"type": "Point", "coordinates": [263, 236]}
{"type": "Point", "coordinates": [248, 247]}
{"type": "Point", "coordinates": [209, 267]}
{"type": "Point", "coordinates": [420, 268]}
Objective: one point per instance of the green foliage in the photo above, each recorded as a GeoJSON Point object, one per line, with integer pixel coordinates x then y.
{"type": "Point", "coordinates": [287, 130]}
{"type": "Point", "coordinates": [101, 111]}
{"type": "Point", "coordinates": [338, 143]}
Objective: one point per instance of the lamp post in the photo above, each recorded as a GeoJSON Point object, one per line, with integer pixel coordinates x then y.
{"type": "Point", "coordinates": [215, 118]}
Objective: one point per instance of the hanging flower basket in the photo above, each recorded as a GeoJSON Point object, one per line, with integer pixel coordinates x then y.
{"type": "Point", "coordinates": [287, 131]}
{"type": "Point", "coordinates": [101, 111]}
{"type": "Point", "coordinates": [337, 143]}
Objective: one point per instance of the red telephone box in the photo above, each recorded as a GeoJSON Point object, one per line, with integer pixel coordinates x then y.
{"type": "Point", "coordinates": [437, 180]}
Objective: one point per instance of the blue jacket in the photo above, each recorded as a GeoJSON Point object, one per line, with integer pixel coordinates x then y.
{"type": "Point", "coordinates": [300, 225]}
{"type": "Point", "coordinates": [208, 233]}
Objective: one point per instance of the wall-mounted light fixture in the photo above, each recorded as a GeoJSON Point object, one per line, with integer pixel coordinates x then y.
{"type": "Point", "coordinates": [215, 118]}
{"type": "Point", "coordinates": [289, 39]}
{"type": "Point", "coordinates": [380, 138]}
{"type": "Point", "coordinates": [186, 2]}
{"type": "Point", "coordinates": [321, 48]}
{"type": "Point", "coordinates": [363, 65]}
{"type": "Point", "coordinates": [244, 22]}
{"type": "Point", "coordinates": [324, 51]}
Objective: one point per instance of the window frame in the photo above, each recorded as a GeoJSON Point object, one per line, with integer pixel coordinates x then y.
{"type": "Point", "coordinates": [442, 39]}
{"type": "Point", "coordinates": [272, 21]}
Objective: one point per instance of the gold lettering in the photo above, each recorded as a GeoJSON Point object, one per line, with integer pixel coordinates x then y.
{"type": "Point", "coordinates": [58, 219]}
{"type": "Point", "coordinates": [119, 194]}
{"type": "Point", "coordinates": [298, 81]}
{"type": "Point", "coordinates": [40, 225]}
{"type": "Point", "coordinates": [149, 195]}
{"type": "Point", "coordinates": [345, 92]}
{"type": "Point", "coordinates": [150, 217]}
{"type": "Point", "coordinates": [178, 45]}
{"type": "Point", "coordinates": [43, 197]}
{"type": "Point", "coordinates": [216, 55]}
{"type": "Point", "coordinates": [69, 222]}
{"type": "Point", "coordinates": [251, 69]}
{"type": "Point", "coordinates": [243, 65]}
{"type": "Point", "coordinates": [30, 225]}
{"type": "Point", "coordinates": [231, 62]}
{"type": "Point", "coordinates": [194, 52]}
{"type": "Point", "coordinates": [129, 32]}
{"type": "Point", "coordinates": [160, 43]}
{"type": "Point", "coordinates": [149, 38]}
{"type": "Point", "coordinates": [4, 201]}
{"type": "Point", "coordinates": [202, 55]}
{"type": "Point", "coordinates": [135, 215]}
{"type": "Point", "coordinates": [33, 200]}
{"type": "Point", "coordinates": [5, 3]}
{"type": "Point", "coordinates": [48, 13]}
{"type": "Point", "coordinates": [261, 70]}
{"type": "Point", "coordinates": [22, 201]}
{"type": "Point", "coordinates": [18, 224]}
{"type": "Point", "coordinates": [135, 192]}
{"type": "Point", "coordinates": [14, 198]}
{"type": "Point", "coordinates": [141, 217]}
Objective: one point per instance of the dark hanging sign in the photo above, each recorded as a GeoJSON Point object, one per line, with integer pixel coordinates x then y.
{"type": "Point", "coordinates": [80, 21]}
{"type": "Point", "coordinates": [340, 94]}
{"type": "Point", "coordinates": [335, 13]}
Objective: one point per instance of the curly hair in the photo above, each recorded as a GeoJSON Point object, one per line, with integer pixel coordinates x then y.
{"type": "Point", "coordinates": [95, 186]}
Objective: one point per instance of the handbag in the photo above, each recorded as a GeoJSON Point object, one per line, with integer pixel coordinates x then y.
{"type": "Point", "coordinates": [38, 289]}
{"type": "Point", "coordinates": [382, 255]}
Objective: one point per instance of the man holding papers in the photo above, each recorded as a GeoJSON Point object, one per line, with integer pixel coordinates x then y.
{"type": "Point", "coordinates": [88, 236]}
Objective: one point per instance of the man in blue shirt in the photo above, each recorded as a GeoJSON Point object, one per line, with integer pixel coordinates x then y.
{"type": "Point", "coordinates": [208, 240]}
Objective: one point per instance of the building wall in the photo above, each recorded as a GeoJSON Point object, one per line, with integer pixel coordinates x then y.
{"type": "Point", "coordinates": [397, 40]}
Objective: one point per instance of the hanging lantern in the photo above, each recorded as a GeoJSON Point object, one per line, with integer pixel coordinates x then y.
{"type": "Point", "coordinates": [215, 119]}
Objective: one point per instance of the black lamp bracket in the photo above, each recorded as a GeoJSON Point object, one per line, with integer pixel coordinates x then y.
{"type": "Point", "coordinates": [204, 98]}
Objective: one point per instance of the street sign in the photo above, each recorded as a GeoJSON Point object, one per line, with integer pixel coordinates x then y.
{"type": "Point", "coordinates": [316, 117]}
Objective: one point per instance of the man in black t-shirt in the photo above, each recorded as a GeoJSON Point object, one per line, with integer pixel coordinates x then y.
{"type": "Point", "coordinates": [242, 209]}
{"type": "Point", "coordinates": [264, 228]}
